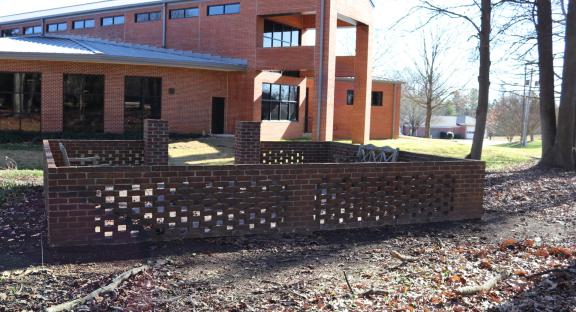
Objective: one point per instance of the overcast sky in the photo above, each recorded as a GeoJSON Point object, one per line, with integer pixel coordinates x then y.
{"type": "Point", "coordinates": [397, 47]}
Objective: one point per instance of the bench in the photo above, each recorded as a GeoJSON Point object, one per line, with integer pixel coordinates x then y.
{"type": "Point", "coordinates": [371, 153]}
{"type": "Point", "coordinates": [81, 161]}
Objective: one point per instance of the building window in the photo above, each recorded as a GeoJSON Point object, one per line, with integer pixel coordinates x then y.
{"type": "Point", "coordinates": [350, 97]}
{"type": "Point", "coordinates": [148, 17]}
{"type": "Point", "coordinates": [82, 24]}
{"type": "Point", "coordinates": [142, 100]}
{"type": "Point", "coordinates": [279, 35]}
{"type": "Point", "coordinates": [10, 32]}
{"type": "Point", "coordinates": [113, 20]}
{"type": "Point", "coordinates": [184, 13]}
{"type": "Point", "coordinates": [57, 27]}
{"type": "Point", "coordinates": [20, 101]}
{"type": "Point", "coordinates": [280, 102]}
{"type": "Point", "coordinates": [377, 98]}
{"type": "Point", "coordinates": [83, 103]}
{"type": "Point", "coordinates": [33, 30]}
{"type": "Point", "coordinates": [233, 8]}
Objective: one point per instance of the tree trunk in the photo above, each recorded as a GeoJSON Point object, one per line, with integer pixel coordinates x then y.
{"type": "Point", "coordinates": [546, 66]}
{"type": "Point", "coordinates": [428, 120]}
{"type": "Point", "coordinates": [564, 150]}
{"type": "Point", "coordinates": [483, 80]}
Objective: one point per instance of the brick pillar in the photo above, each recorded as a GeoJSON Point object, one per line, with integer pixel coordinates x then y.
{"type": "Point", "coordinates": [247, 144]}
{"type": "Point", "coordinates": [156, 139]}
{"type": "Point", "coordinates": [362, 87]}
{"type": "Point", "coordinates": [52, 99]}
{"type": "Point", "coordinates": [325, 79]}
{"type": "Point", "coordinates": [114, 101]}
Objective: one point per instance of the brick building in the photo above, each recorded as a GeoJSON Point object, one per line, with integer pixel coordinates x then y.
{"type": "Point", "coordinates": [202, 65]}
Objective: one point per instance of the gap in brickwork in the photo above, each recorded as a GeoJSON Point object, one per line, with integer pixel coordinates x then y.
{"type": "Point", "coordinates": [388, 199]}
{"type": "Point", "coordinates": [146, 211]}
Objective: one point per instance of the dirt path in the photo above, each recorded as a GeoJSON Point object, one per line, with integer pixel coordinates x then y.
{"type": "Point", "coordinates": [529, 227]}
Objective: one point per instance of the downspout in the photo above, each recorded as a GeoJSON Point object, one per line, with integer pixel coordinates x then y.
{"type": "Point", "coordinates": [164, 24]}
{"type": "Point", "coordinates": [394, 98]}
{"type": "Point", "coordinates": [321, 71]}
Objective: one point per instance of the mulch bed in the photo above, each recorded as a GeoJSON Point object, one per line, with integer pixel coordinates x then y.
{"type": "Point", "coordinates": [529, 228]}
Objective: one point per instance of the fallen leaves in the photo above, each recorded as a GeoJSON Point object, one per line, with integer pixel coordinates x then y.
{"type": "Point", "coordinates": [304, 272]}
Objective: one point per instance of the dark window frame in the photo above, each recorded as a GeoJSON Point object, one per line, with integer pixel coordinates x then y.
{"type": "Point", "coordinates": [349, 97]}
{"type": "Point", "coordinates": [115, 20]}
{"type": "Point", "coordinates": [377, 98]}
{"type": "Point", "coordinates": [83, 23]}
{"type": "Point", "coordinates": [274, 35]}
{"type": "Point", "coordinates": [35, 30]}
{"type": "Point", "coordinates": [23, 95]}
{"type": "Point", "coordinates": [287, 104]}
{"type": "Point", "coordinates": [10, 32]}
{"type": "Point", "coordinates": [226, 9]}
{"type": "Point", "coordinates": [148, 17]}
{"type": "Point", "coordinates": [59, 27]}
{"type": "Point", "coordinates": [184, 13]}
{"type": "Point", "coordinates": [96, 114]}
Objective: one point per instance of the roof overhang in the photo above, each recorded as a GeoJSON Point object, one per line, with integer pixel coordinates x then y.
{"type": "Point", "coordinates": [120, 60]}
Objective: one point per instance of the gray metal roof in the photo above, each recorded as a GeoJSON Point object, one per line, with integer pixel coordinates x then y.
{"type": "Point", "coordinates": [91, 50]}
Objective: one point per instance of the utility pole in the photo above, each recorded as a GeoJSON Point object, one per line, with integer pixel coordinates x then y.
{"type": "Point", "coordinates": [526, 106]}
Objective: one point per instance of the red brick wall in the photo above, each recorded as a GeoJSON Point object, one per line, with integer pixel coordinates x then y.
{"type": "Point", "coordinates": [156, 139]}
{"type": "Point", "coordinates": [385, 119]}
{"type": "Point", "coordinates": [112, 205]}
{"type": "Point", "coordinates": [247, 143]}
{"type": "Point", "coordinates": [187, 111]}
{"type": "Point", "coordinates": [235, 35]}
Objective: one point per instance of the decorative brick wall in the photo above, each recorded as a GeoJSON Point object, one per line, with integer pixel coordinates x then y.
{"type": "Point", "coordinates": [109, 152]}
{"type": "Point", "coordinates": [156, 140]}
{"type": "Point", "coordinates": [125, 204]}
{"type": "Point", "coordinates": [247, 142]}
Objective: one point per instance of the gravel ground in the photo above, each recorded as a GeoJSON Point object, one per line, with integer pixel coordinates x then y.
{"type": "Point", "coordinates": [529, 227]}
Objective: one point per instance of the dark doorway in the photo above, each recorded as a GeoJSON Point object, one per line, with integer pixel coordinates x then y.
{"type": "Point", "coordinates": [218, 115]}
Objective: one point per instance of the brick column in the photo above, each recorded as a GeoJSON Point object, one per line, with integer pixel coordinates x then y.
{"type": "Point", "coordinates": [247, 144]}
{"type": "Point", "coordinates": [362, 87]}
{"type": "Point", "coordinates": [52, 99]}
{"type": "Point", "coordinates": [114, 101]}
{"type": "Point", "coordinates": [325, 79]}
{"type": "Point", "coordinates": [156, 141]}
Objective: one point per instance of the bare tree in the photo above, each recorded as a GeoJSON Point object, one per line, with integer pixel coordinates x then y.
{"type": "Point", "coordinates": [563, 152]}
{"type": "Point", "coordinates": [534, 121]}
{"type": "Point", "coordinates": [506, 117]}
{"type": "Point", "coordinates": [430, 83]}
{"type": "Point", "coordinates": [483, 30]}
{"type": "Point", "coordinates": [412, 114]}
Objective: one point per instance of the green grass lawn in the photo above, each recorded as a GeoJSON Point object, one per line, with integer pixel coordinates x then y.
{"type": "Point", "coordinates": [498, 155]}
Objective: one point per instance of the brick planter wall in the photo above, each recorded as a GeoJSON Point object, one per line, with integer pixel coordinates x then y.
{"type": "Point", "coordinates": [125, 204]}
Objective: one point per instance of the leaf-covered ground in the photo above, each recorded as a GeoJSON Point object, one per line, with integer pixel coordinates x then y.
{"type": "Point", "coordinates": [529, 228]}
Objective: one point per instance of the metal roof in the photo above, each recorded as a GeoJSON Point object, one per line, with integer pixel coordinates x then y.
{"type": "Point", "coordinates": [91, 50]}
